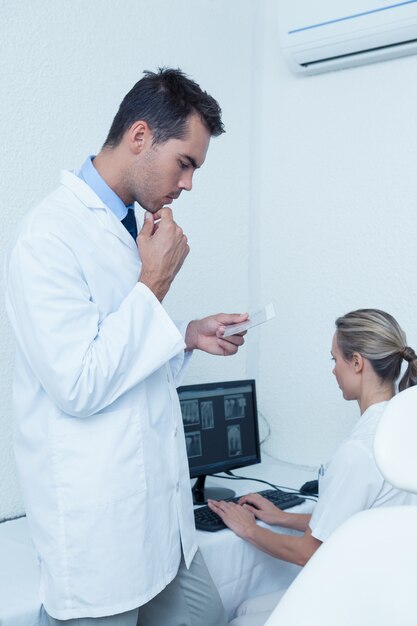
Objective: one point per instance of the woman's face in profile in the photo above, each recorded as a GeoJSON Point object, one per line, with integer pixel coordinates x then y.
{"type": "Point", "coordinates": [344, 372]}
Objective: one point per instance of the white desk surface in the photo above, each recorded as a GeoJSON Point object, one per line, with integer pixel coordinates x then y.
{"type": "Point", "coordinates": [238, 569]}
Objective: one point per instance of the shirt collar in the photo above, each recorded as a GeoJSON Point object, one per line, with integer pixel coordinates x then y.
{"type": "Point", "coordinates": [368, 419]}
{"type": "Point", "coordinates": [90, 175]}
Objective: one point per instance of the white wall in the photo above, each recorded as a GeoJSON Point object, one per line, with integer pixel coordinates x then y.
{"type": "Point", "coordinates": [64, 68]}
{"type": "Point", "coordinates": [338, 231]}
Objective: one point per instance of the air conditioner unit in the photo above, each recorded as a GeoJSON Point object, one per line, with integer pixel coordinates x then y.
{"type": "Point", "coordinates": [323, 35]}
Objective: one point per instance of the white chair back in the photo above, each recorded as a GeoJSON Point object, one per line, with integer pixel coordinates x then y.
{"type": "Point", "coordinates": [396, 441]}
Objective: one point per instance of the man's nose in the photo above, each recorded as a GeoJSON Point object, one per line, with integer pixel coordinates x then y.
{"type": "Point", "coordinates": [186, 181]}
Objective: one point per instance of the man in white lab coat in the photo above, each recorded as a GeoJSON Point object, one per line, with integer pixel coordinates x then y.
{"type": "Point", "coordinates": [99, 437]}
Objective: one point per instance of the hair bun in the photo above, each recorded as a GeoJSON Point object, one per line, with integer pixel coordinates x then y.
{"type": "Point", "coordinates": [409, 354]}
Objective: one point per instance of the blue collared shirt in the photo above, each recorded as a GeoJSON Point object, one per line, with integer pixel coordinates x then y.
{"type": "Point", "coordinates": [90, 175]}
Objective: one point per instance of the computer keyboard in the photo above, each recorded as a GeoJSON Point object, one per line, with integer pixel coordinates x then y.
{"type": "Point", "coordinates": [206, 519]}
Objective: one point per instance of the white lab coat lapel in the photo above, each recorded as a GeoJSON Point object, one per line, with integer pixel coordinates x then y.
{"type": "Point", "coordinates": [94, 203]}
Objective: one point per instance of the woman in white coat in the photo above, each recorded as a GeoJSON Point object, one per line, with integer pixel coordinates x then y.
{"type": "Point", "coordinates": [368, 349]}
{"type": "Point", "coordinates": [99, 439]}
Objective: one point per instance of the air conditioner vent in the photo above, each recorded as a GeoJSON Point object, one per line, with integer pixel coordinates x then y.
{"type": "Point", "coordinates": [388, 47]}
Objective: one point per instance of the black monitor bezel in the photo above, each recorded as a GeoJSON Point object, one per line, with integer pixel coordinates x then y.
{"type": "Point", "coordinates": [232, 464]}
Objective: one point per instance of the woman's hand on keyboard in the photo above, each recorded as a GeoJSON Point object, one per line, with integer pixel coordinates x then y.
{"type": "Point", "coordinates": [238, 518]}
{"type": "Point", "coordinates": [262, 508]}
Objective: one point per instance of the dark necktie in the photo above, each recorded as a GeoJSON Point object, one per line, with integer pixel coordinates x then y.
{"type": "Point", "coordinates": [129, 222]}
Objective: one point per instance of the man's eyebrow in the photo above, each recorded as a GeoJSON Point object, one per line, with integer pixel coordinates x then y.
{"type": "Point", "coordinates": [191, 160]}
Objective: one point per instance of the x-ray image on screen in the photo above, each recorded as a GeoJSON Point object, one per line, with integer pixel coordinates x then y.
{"type": "Point", "coordinates": [193, 443]}
{"type": "Point", "coordinates": [235, 407]}
{"type": "Point", "coordinates": [234, 440]}
{"type": "Point", "coordinates": [190, 413]}
{"type": "Point", "coordinates": [207, 415]}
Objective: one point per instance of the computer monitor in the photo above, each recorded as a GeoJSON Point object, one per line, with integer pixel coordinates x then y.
{"type": "Point", "coordinates": [221, 431]}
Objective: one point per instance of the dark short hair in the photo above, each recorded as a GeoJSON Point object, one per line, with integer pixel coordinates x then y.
{"type": "Point", "coordinates": [164, 100]}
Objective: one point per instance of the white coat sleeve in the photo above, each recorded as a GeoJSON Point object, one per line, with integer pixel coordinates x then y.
{"type": "Point", "coordinates": [83, 362]}
{"type": "Point", "coordinates": [179, 364]}
{"type": "Point", "coordinates": [350, 484]}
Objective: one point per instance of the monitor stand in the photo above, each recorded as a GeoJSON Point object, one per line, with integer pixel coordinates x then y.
{"type": "Point", "coordinates": [201, 493]}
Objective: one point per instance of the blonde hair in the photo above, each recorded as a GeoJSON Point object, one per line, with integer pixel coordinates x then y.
{"type": "Point", "coordinates": [378, 337]}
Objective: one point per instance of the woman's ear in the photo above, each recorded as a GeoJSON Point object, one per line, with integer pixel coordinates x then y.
{"type": "Point", "coordinates": [357, 360]}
